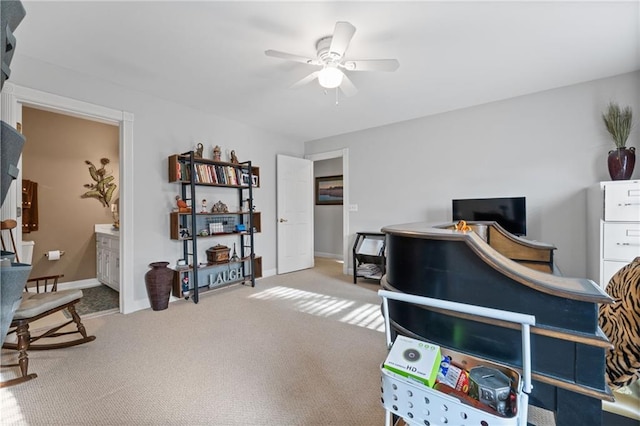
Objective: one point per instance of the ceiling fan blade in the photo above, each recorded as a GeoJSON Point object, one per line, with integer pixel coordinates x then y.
{"type": "Point", "coordinates": [372, 65]}
{"type": "Point", "coordinates": [342, 34]}
{"type": "Point", "coordinates": [347, 87]}
{"type": "Point", "coordinates": [291, 57]}
{"type": "Point", "coordinates": [305, 80]}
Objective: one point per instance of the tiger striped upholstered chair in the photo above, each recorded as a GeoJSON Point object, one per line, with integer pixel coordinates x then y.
{"type": "Point", "coordinates": [620, 322]}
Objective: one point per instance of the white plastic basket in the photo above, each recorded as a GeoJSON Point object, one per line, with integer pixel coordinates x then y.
{"type": "Point", "coordinates": [420, 405]}
{"type": "Point", "coordinates": [423, 406]}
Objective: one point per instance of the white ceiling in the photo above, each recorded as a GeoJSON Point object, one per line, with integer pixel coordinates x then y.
{"type": "Point", "coordinates": [210, 54]}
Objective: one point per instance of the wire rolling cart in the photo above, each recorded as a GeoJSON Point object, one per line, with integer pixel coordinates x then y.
{"type": "Point", "coordinates": [420, 405]}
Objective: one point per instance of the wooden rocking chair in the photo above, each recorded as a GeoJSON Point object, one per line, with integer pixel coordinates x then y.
{"type": "Point", "coordinates": [45, 301]}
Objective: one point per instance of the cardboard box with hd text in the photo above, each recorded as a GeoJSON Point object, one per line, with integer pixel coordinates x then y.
{"type": "Point", "coordinates": [414, 359]}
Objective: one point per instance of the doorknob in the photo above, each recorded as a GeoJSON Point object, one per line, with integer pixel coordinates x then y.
{"type": "Point", "coordinates": [283, 220]}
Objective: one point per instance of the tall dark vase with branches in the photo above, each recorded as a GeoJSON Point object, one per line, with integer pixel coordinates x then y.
{"type": "Point", "coordinates": [618, 122]}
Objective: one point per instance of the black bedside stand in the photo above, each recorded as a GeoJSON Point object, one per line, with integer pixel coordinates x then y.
{"type": "Point", "coordinates": [369, 259]}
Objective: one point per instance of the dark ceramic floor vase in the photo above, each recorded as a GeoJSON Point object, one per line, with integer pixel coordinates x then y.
{"type": "Point", "coordinates": [158, 281]}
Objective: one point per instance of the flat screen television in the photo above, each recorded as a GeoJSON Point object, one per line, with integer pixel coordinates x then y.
{"type": "Point", "coordinates": [509, 212]}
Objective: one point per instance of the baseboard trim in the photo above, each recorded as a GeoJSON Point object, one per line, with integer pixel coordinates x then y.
{"type": "Point", "coordinates": [328, 255]}
{"type": "Point", "coordinates": [91, 282]}
{"type": "Point", "coordinates": [268, 273]}
{"type": "Point", "coordinates": [140, 304]}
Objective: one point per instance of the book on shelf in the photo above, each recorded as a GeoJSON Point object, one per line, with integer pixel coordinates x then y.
{"type": "Point", "coordinates": [219, 175]}
{"type": "Point", "coordinates": [196, 175]}
{"type": "Point", "coordinates": [225, 172]}
{"type": "Point", "coordinates": [215, 173]}
{"type": "Point", "coordinates": [200, 174]}
{"type": "Point", "coordinates": [214, 177]}
{"type": "Point", "coordinates": [231, 171]}
{"type": "Point", "coordinates": [182, 171]}
{"type": "Point", "coordinates": [371, 246]}
{"type": "Point", "coordinates": [368, 270]}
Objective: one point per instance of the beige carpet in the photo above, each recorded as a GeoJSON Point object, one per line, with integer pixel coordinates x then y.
{"type": "Point", "coordinates": [298, 349]}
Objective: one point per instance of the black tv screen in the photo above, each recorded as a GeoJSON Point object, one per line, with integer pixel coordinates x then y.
{"type": "Point", "coordinates": [509, 212]}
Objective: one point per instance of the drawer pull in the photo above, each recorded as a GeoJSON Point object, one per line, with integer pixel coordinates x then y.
{"type": "Point", "coordinates": [628, 204]}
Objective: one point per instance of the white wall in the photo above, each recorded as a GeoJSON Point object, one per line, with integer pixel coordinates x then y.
{"type": "Point", "coordinates": [327, 219]}
{"type": "Point", "coordinates": [548, 146]}
{"type": "Point", "coordinates": [163, 128]}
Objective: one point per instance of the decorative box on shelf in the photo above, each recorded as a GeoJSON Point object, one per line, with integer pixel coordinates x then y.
{"type": "Point", "coordinates": [218, 254]}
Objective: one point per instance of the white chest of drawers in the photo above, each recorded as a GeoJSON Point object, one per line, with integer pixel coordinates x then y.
{"type": "Point", "coordinates": [613, 228]}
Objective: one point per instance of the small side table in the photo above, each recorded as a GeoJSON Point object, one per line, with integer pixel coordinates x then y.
{"type": "Point", "coordinates": [369, 260]}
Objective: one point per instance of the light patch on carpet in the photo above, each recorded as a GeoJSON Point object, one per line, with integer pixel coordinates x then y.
{"type": "Point", "coordinates": [367, 316]}
{"type": "Point", "coordinates": [11, 413]}
{"type": "Point", "coordinates": [364, 315]}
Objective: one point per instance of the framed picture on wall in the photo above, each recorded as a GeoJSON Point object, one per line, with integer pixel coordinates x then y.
{"type": "Point", "coordinates": [329, 190]}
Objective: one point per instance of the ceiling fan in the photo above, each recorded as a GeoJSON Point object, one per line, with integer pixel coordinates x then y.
{"type": "Point", "coordinates": [331, 57]}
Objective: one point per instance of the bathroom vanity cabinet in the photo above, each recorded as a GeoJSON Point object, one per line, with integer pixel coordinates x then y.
{"type": "Point", "coordinates": [108, 256]}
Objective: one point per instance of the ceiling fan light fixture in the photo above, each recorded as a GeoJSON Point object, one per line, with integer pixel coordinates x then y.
{"type": "Point", "coordinates": [330, 77]}
{"type": "Point", "coordinates": [334, 68]}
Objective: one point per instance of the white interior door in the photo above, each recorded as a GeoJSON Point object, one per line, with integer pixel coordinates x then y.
{"type": "Point", "coordinates": [294, 179]}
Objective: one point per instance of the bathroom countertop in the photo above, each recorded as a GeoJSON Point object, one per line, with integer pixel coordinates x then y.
{"type": "Point", "coordinates": [107, 229]}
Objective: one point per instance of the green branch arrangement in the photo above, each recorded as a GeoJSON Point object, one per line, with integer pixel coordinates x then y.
{"type": "Point", "coordinates": [103, 186]}
{"type": "Point", "coordinates": [618, 123]}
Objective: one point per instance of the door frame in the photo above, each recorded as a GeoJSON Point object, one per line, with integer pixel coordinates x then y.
{"type": "Point", "coordinates": [14, 97]}
{"type": "Point", "coordinates": [344, 154]}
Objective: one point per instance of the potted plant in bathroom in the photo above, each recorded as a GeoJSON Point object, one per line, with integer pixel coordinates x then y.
{"type": "Point", "coordinates": [618, 122]}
